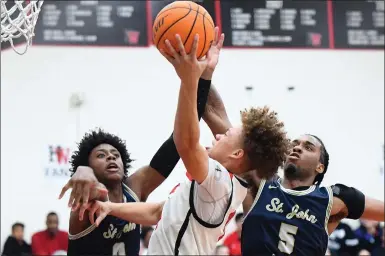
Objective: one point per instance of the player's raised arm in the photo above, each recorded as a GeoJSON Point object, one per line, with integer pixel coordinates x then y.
{"type": "Point", "coordinates": [186, 126]}
{"type": "Point", "coordinates": [147, 178]}
{"type": "Point", "coordinates": [141, 213]}
{"type": "Point", "coordinates": [215, 114]}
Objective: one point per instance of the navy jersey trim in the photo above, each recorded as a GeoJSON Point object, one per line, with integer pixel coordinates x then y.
{"type": "Point", "coordinates": [131, 192]}
{"type": "Point", "coordinates": [329, 208]}
{"type": "Point", "coordinates": [259, 192]}
{"type": "Point", "coordinates": [296, 192]}
{"type": "Point", "coordinates": [82, 233]}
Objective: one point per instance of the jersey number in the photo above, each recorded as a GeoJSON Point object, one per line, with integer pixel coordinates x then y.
{"type": "Point", "coordinates": [119, 249]}
{"type": "Point", "coordinates": [287, 239]}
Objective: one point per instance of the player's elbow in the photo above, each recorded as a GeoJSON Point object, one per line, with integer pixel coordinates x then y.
{"type": "Point", "coordinates": [156, 214]}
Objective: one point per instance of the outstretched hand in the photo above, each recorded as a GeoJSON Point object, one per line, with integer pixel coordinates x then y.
{"type": "Point", "coordinates": [100, 209]}
{"type": "Point", "coordinates": [85, 187]}
{"type": "Point", "coordinates": [187, 66]}
{"type": "Point", "coordinates": [213, 55]}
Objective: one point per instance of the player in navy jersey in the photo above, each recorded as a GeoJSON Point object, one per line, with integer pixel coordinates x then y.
{"type": "Point", "coordinates": [294, 215]}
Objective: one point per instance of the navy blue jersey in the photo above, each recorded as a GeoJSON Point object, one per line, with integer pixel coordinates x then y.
{"type": "Point", "coordinates": [287, 222]}
{"type": "Point", "coordinates": [113, 236]}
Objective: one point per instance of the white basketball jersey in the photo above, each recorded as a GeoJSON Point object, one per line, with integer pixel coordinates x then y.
{"type": "Point", "coordinates": [181, 230]}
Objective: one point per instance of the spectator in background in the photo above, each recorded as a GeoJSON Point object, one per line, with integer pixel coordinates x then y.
{"type": "Point", "coordinates": [51, 240]}
{"type": "Point", "coordinates": [369, 235]}
{"type": "Point", "coordinates": [343, 241]}
{"type": "Point", "coordinates": [145, 236]}
{"type": "Point", "coordinates": [15, 244]}
{"type": "Point", "coordinates": [233, 240]}
{"type": "Point", "coordinates": [222, 250]}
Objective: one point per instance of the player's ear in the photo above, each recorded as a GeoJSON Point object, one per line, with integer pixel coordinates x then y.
{"type": "Point", "coordinates": [320, 168]}
{"type": "Point", "coordinates": [239, 153]}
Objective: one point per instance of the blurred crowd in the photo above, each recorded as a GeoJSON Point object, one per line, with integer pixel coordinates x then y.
{"type": "Point", "coordinates": [367, 239]}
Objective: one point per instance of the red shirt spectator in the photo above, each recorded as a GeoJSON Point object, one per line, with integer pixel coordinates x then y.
{"type": "Point", "coordinates": [233, 240]}
{"type": "Point", "coordinates": [51, 240]}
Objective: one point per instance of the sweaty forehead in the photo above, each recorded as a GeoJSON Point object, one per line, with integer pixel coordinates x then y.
{"type": "Point", "coordinates": [310, 139]}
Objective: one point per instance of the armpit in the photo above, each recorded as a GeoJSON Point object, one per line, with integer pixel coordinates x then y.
{"type": "Point", "coordinates": [338, 217]}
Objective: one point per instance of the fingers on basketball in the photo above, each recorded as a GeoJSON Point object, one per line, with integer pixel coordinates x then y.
{"type": "Point", "coordinates": [186, 19]}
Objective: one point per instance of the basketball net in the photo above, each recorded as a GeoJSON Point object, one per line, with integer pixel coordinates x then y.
{"type": "Point", "coordinates": [18, 21]}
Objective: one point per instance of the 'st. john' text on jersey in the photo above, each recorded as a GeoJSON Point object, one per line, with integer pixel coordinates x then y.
{"type": "Point", "coordinates": [113, 236]}
{"type": "Point", "coordinates": [287, 222]}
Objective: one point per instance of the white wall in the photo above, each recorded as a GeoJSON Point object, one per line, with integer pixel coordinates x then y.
{"type": "Point", "coordinates": [339, 96]}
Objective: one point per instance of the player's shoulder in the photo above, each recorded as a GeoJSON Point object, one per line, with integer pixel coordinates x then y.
{"type": "Point", "coordinates": [221, 170]}
{"type": "Point", "coordinates": [216, 166]}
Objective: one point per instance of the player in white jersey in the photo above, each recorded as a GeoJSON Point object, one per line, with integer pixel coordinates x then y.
{"type": "Point", "coordinates": [193, 218]}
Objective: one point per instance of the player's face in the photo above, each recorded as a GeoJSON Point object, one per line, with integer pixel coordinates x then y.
{"type": "Point", "coordinates": [107, 163]}
{"type": "Point", "coordinates": [228, 145]}
{"type": "Point", "coordinates": [305, 153]}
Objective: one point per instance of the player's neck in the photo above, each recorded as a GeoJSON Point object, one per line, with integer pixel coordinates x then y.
{"type": "Point", "coordinates": [115, 194]}
{"type": "Point", "coordinates": [294, 183]}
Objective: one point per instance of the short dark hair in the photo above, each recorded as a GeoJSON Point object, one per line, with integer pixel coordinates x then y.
{"type": "Point", "coordinates": [93, 139]}
{"type": "Point", "coordinates": [17, 224]}
{"type": "Point", "coordinates": [52, 214]}
{"type": "Point", "coordinates": [324, 159]}
{"type": "Point", "coordinates": [238, 217]}
{"type": "Point", "coordinates": [265, 140]}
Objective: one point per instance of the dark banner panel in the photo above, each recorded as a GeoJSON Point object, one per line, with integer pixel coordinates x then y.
{"type": "Point", "coordinates": [101, 23]}
{"type": "Point", "coordinates": [281, 24]}
{"type": "Point", "coordinates": [359, 24]}
{"type": "Point", "coordinates": [247, 23]}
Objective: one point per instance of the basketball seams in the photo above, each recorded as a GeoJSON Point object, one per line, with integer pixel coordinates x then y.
{"type": "Point", "coordinates": [204, 31]}
{"type": "Point", "coordinates": [164, 32]}
{"type": "Point", "coordinates": [173, 25]}
{"type": "Point", "coordinates": [192, 27]}
{"type": "Point", "coordinates": [212, 24]}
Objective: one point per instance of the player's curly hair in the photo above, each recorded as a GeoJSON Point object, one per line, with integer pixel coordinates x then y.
{"type": "Point", "coordinates": [265, 140]}
{"type": "Point", "coordinates": [93, 139]}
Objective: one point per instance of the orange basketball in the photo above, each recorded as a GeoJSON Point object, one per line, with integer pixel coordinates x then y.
{"type": "Point", "coordinates": [185, 18]}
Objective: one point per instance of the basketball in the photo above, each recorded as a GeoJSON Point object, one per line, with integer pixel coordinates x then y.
{"type": "Point", "coordinates": [185, 18]}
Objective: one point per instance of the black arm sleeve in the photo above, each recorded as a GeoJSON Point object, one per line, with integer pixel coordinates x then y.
{"type": "Point", "coordinates": [166, 158]}
{"type": "Point", "coordinates": [353, 199]}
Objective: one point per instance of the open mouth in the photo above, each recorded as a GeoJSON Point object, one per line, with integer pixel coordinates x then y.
{"type": "Point", "coordinates": [112, 167]}
{"type": "Point", "coordinates": [294, 155]}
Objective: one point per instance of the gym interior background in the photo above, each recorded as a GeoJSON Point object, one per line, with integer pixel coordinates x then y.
{"type": "Point", "coordinates": [92, 64]}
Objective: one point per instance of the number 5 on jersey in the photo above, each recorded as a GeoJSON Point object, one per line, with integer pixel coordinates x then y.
{"type": "Point", "coordinates": [287, 239]}
{"type": "Point", "coordinates": [119, 249]}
